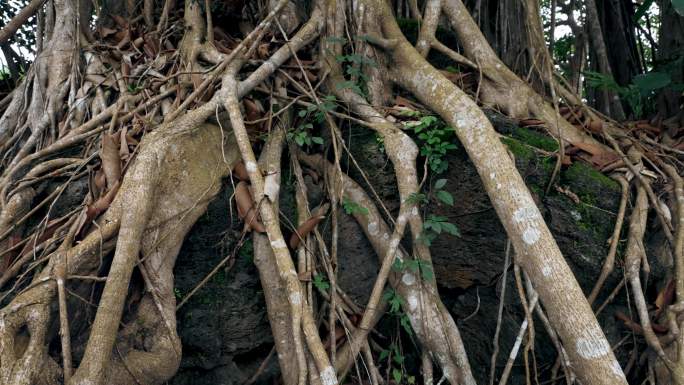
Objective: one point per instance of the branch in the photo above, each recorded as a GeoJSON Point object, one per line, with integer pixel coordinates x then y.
{"type": "Point", "coordinates": [18, 20]}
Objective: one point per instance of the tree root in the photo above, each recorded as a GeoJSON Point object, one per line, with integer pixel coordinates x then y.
{"type": "Point", "coordinates": [429, 318]}
{"type": "Point", "coordinates": [180, 172]}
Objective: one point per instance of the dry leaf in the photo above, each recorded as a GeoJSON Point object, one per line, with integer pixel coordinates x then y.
{"type": "Point", "coordinates": [111, 161]}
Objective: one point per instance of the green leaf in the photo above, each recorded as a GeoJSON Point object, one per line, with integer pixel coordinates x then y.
{"type": "Point", "coordinates": [317, 139]}
{"type": "Point", "coordinates": [406, 324]}
{"type": "Point", "coordinates": [652, 81]}
{"type": "Point", "coordinates": [302, 113]}
{"type": "Point", "coordinates": [413, 265]}
{"type": "Point", "coordinates": [398, 359]}
{"type": "Point", "coordinates": [320, 283]}
{"type": "Point", "coordinates": [445, 197]}
{"type": "Point", "coordinates": [451, 229]}
{"type": "Point", "coordinates": [383, 354]}
{"type": "Point", "coordinates": [396, 374]}
{"type": "Point", "coordinates": [440, 183]}
{"type": "Point", "coordinates": [398, 265]}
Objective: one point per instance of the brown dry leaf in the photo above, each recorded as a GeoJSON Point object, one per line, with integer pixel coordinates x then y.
{"type": "Point", "coordinates": [240, 171]}
{"type": "Point", "coordinates": [566, 191]}
{"type": "Point", "coordinates": [599, 157]}
{"type": "Point", "coordinates": [647, 127]}
{"type": "Point", "coordinates": [123, 145]}
{"type": "Point", "coordinates": [531, 122]}
{"type": "Point", "coordinates": [665, 297]}
{"type": "Point", "coordinates": [305, 228]}
{"type": "Point", "coordinates": [245, 207]}
{"type": "Point", "coordinates": [111, 161]}
{"type": "Point", "coordinates": [263, 51]}
{"type": "Point", "coordinates": [104, 32]}
{"type": "Point", "coordinates": [595, 126]}
{"type": "Point", "coordinates": [102, 204]}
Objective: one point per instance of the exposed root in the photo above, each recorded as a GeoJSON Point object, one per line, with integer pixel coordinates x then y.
{"type": "Point", "coordinates": [429, 318]}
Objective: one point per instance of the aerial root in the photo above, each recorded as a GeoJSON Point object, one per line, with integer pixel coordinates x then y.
{"type": "Point", "coordinates": [429, 318]}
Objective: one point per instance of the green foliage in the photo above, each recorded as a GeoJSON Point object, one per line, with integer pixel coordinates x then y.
{"type": "Point", "coordinates": [312, 114]}
{"type": "Point", "coordinates": [443, 195]}
{"type": "Point", "coordinates": [302, 137]}
{"type": "Point", "coordinates": [417, 199]}
{"type": "Point", "coordinates": [639, 93]}
{"type": "Point", "coordinates": [394, 301]}
{"type": "Point", "coordinates": [415, 266]}
{"type": "Point", "coordinates": [177, 293]}
{"type": "Point", "coordinates": [435, 225]}
{"type": "Point", "coordinates": [353, 66]}
{"type": "Point", "coordinates": [436, 139]}
{"type": "Point", "coordinates": [351, 207]}
{"type": "Point", "coordinates": [320, 283]}
{"type": "Point", "coordinates": [535, 139]}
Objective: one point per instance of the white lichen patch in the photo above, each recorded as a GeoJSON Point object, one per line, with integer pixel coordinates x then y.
{"type": "Point", "coordinates": [408, 279]}
{"type": "Point", "coordinates": [592, 344]}
{"type": "Point", "coordinates": [251, 166]}
{"type": "Point", "coordinates": [328, 376]}
{"type": "Point", "coordinates": [296, 298]}
{"type": "Point", "coordinates": [524, 214]}
{"type": "Point", "coordinates": [272, 186]}
{"type": "Point", "coordinates": [278, 244]}
{"type": "Point", "coordinates": [412, 302]}
{"type": "Point", "coordinates": [531, 235]}
{"type": "Point", "coordinates": [373, 228]}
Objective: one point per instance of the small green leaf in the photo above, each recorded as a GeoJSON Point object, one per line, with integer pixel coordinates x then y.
{"type": "Point", "coordinates": [396, 374]}
{"type": "Point", "coordinates": [451, 229]}
{"type": "Point", "coordinates": [427, 273]}
{"type": "Point", "coordinates": [383, 354]}
{"type": "Point", "coordinates": [406, 324]}
{"type": "Point", "coordinates": [317, 139]}
{"type": "Point", "coordinates": [320, 283]}
{"type": "Point", "coordinates": [445, 197]}
{"type": "Point", "coordinates": [440, 183]}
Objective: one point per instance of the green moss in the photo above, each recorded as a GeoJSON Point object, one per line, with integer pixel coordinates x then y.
{"type": "Point", "coordinates": [535, 139]}
{"type": "Point", "coordinates": [519, 149]}
{"type": "Point", "coordinates": [588, 181]}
